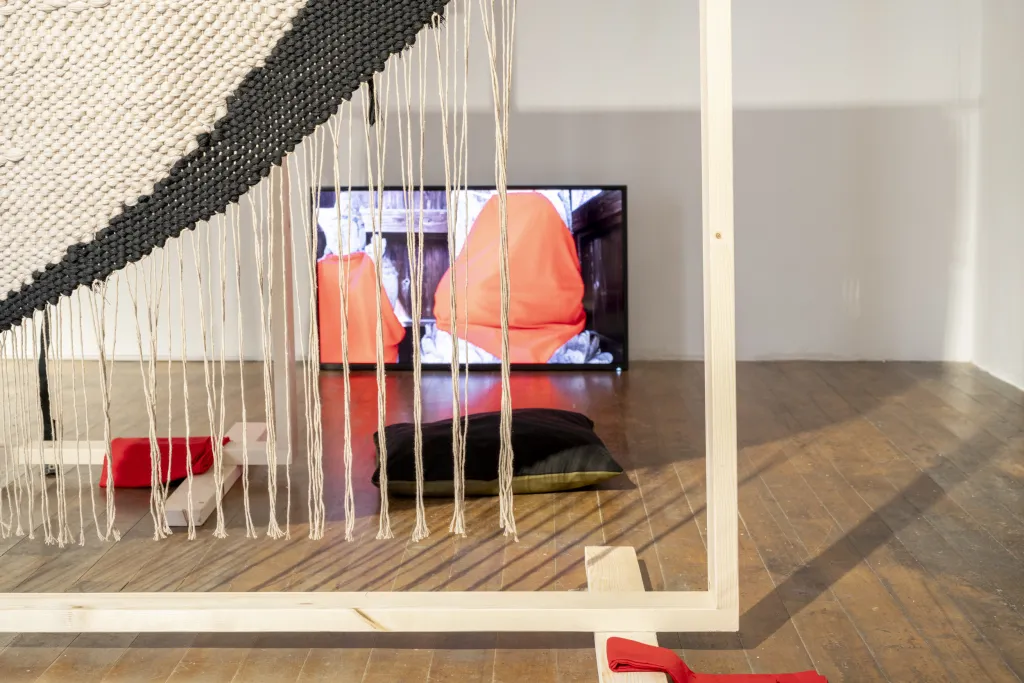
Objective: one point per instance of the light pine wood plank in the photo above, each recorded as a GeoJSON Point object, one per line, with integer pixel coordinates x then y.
{"type": "Point", "coordinates": [611, 569]}
{"type": "Point", "coordinates": [204, 497]}
{"type": "Point", "coordinates": [719, 300]}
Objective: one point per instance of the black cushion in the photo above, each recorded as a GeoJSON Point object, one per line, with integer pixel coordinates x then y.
{"type": "Point", "coordinates": [555, 450]}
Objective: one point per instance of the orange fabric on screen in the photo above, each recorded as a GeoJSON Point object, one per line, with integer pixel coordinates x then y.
{"type": "Point", "coordinates": [362, 311]}
{"type": "Point", "coordinates": [546, 286]}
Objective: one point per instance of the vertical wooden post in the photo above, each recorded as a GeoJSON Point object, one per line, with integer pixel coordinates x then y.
{"type": "Point", "coordinates": [283, 306]}
{"type": "Point", "coordinates": [44, 388]}
{"type": "Point", "coordinates": [719, 302]}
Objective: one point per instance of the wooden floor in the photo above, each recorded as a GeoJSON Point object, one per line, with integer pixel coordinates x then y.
{"type": "Point", "coordinates": [881, 535]}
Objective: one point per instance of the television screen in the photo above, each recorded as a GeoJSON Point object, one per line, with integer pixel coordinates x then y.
{"type": "Point", "coordinates": [567, 274]}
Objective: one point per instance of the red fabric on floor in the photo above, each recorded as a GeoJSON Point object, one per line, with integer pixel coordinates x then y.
{"type": "Point", "coordinates": [546, 284]}
{"type": "Point", "coordinates": [133, 467]}
{"type": "Point", "coordinates": [628, 655]}
{"type": "Point", "coordinates": [362, 311]}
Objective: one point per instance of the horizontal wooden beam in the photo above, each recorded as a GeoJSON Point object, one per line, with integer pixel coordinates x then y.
{"type": "Point", "coordinates": [94, 452]}
{"type": "Point", "coordinates": [420, 612]}
{"type": "Point", "coordinates": [204, 497]}
{"type": "Point", "coordinates": [617, 570]}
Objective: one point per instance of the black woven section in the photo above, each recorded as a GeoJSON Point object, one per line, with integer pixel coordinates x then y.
{"type": "Point", "coordinates": [332, 48]}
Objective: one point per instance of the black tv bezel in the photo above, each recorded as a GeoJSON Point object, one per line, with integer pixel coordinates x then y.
{"type": "Point", "coordinates": [475, 367]}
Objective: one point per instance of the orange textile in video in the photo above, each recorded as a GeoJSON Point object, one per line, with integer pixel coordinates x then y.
{"type": "Point", "coordinates": [546, 287]}
{"type": "Point", "coordinates": [362, 311]}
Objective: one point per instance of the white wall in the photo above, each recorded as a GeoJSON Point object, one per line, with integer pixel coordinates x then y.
{"type": "Point", "coordinates": [856, 139]}
{"type": "Point", "coordinates": [855, 144]}
{"type": "Point", "coordinates": [999, 329]}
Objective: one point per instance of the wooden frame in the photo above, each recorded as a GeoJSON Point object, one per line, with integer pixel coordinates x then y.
{"type": "Point", "coordinates": [609, 607]}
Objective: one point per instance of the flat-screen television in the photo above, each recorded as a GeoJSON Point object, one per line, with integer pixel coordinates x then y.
{"type": "Point", "coordinates": [567, 275]}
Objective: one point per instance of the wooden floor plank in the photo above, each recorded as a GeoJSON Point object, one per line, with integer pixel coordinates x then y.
{"type": "Point", "coordinates": [1004, 419]}
{"type": "Point", "coordinates": [275, 658]}
{"type": "Point", "coordinates": [881, 521]}
{"type": "Point", "coordinates": [836, 646]}
{"type": "Point", "coordinates": [978, 551]}
{"type": "Point", "coordinates": [897, 646]}
{"type": "Point", "coordinates": [28, 656]}
{"type": "Point", "coordinates": [334, 660]}
{"type": "Point", "coordinates": [85, 657]}
{"type": "Point", "coordinates": [995, 620]}
{"type": "Point", "coordinates": [88, 658]}
{"type": "Point", "coordinates": [974, 452]}
{"type": "Point", "coordinates": [773, 641]}
{"type": "Point", "coordinates": [151, 658]}
{"type": "Point", "coordinates": [983, 383]}
{"type": "Point", "coordinates": [922, 598]}
{"type": "Point", "coordinates": [213, 658]}
{"type": "Point", "coordinates": [788, 552]}
{"type": "Point", "coordinates": [394, 660]}
{"type": "Point", "coordinates": [972, 492]}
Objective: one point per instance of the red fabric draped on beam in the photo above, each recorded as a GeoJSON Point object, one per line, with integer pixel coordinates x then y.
{"type": "Point", "coordinates": [132, 464]}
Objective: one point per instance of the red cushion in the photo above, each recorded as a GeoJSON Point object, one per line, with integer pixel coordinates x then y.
{"type": "Point", "coordinates": [133, 468]}
{"type": "Point", "coordinates": [629, 655]}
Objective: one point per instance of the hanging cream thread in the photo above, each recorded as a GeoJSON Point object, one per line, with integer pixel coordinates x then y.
{"type": "Point", "coordinates": [189, 475]}
{"type": "Point", "coordinates": [376, 195]}
{"type": "Point", "coordinates": [236, 239]}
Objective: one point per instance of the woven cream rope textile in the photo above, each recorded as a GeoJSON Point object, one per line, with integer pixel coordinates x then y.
{"type": "Point", "coordinates": [133, 132]}
{"type": "Point", "coordinates": [148, 116]}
